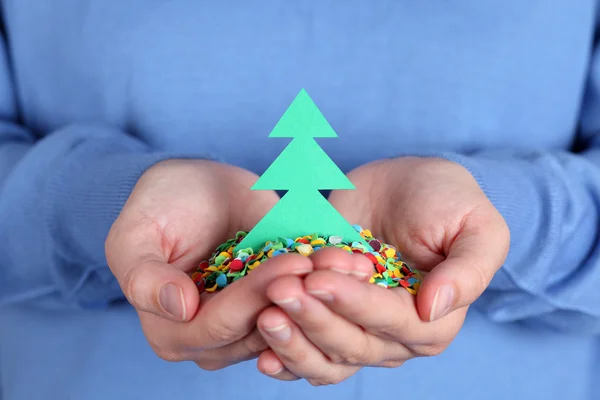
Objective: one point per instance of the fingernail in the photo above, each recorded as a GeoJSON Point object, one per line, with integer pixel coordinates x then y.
{"type": "Point", "coordinates": [341, 271]}
{"type": "Point", "coordinates": [282, 332]}
{"type": "Point", "coordinates": [360, 274]}
{"type": "Point", "coordinates": [292, 304]}
{"type": "Point", "coordinates": [280, 370]}
{"type": "Point", "coordinates": [442, 302]}
{"type": "Point", "coordinates": [321, 294]}
{"type": "Point", "coordinates": [172, 301]}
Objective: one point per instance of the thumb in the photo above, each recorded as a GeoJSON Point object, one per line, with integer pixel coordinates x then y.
{"type": "Point", "coordinates": [232, 313]}
{"type": "Point", "coordinates": [159, 288]}
{"type": "Point", "coordinates": [474, 257]}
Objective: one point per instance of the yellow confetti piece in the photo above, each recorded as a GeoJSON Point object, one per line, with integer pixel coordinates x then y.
{"type": "Point", "coordinates": [389, 270]}
{"type": "Point", "coordinates": [212, 289]}
{"type": "Point", "coordinates": [318, 242]}
{"type": "Point", "coordinates": [390, 253]}
{"type": "Point", "coordinates": [253, 265]}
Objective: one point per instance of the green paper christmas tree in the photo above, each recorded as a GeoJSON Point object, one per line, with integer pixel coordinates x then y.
{"type": "Point", "coordinates": [302, 168]}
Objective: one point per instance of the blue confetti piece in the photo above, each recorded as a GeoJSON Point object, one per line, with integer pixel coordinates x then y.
{"type": "Point", "coordinates": [221, 280]}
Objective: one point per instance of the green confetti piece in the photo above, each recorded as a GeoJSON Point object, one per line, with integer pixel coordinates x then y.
{"type": "Point", "coordinates": [225, 277]}
{"type": "Point", "coordinates": [219, 260]}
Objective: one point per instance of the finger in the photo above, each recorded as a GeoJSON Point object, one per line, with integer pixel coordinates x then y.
{"type": "Point", "coordinates": [269, 364]}
{"type": "Point", "coordinates": [148, 281]}
{"type": "Point", "coordinates": [156, 287]}
{"type": "Point", "coordinates": [387, 313]}
{"type": "Point", "coordinates": [342, 341]}
{"type": "Point", "coordinates": [473, 259]}
{"type": "Point", "coordinates": [247, 348]}
{"type": "Point", "coordinates": [341, 261]}
{"type": "Point", "coordinates": [232, 313]}
{"type": "Point", "coordinates": [296, 352]}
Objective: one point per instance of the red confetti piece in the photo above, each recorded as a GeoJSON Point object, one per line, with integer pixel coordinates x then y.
{"type": "Point", "coordinates": [388, 269]}
{"type": "Point", "coordinates": [236, 265]}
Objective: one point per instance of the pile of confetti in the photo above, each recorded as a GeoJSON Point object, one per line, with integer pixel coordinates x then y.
{"type": "Point", "coordinates": [224, 267]}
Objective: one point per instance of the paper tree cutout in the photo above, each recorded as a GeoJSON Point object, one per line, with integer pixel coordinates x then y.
{"type": "Point", "coordinates": [302, 168]}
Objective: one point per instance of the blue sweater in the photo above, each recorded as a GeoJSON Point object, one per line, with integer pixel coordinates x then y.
{"type": "Point", "coordinates": [94, 92]}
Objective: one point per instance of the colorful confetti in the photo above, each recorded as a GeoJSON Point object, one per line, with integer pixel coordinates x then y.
{"type": "Point", "coordinates": [224, 267]}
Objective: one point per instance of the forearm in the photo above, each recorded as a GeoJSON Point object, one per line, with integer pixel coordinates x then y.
{"type": "Point", "coordinates": [57, 204]}
{"type": "Point", "coordinates": [550, 201]}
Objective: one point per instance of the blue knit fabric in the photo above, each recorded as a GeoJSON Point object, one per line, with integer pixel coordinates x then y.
{"type": "Point", "coordinates": [92, 93]}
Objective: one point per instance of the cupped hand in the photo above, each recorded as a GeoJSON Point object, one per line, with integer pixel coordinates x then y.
{"type": "Point", "coordinates": [177, 214]}
{"type": "Point", "coordinates": [332, 323]}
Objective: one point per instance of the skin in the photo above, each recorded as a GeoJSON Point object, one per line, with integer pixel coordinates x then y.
{"type": "Point", "coordinates": [441, 222]}
{"type": "Point", "coordinates": [292, 312]}
{"type": "Point", "coordinates": [177, 214]}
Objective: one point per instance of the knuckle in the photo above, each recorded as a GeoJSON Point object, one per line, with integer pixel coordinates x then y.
{"type": "Point", "coordinates": [356, 356]}
{"type": "Point", "coordinates": [482, 278]}
{"type": "Point", "coordinates": [169, 355]}
{"type": "Point", "coordinates": [256, 344]}
{"type": "Point", "coordinates": [391, 364]}
{"type": "Point", "coordinates": [209, 365]}
{"type": "Point", "coordinates": [294, 357]}
{"type": "Point", "coordinates": [317, 328]}
{"type": "Point", "coordinates": [393, 329]}
{"type": "Point", "coordinates": [130, 285]}
{"type": "Point", "coordinates": [162, 348]}
{"type": "Point", "coordinates": [220, 332]}
{"type": "Point", "coordinates": [429, 350]}
{"type": "Point", "coordinates": [332, 379]}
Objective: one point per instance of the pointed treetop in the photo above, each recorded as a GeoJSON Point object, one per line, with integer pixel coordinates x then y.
{"type": "Point", "coordinates": [303, 119]}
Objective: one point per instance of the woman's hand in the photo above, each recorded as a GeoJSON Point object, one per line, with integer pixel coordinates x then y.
{"type": "Point", "coordinates": [331, 323]}
{"type": "Point", "coordinates": [177, 214]}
